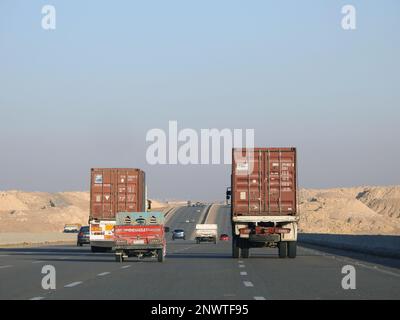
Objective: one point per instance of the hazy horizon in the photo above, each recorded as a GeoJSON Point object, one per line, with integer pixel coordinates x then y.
{"type": "Point", "coordinates": [85, 94]}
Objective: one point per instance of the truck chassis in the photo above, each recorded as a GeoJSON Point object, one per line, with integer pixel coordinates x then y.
{"type": "Point", "coordinates": [123, 252]}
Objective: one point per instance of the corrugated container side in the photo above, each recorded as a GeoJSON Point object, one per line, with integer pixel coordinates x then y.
{"type": "Point", "coordinates": [115, 190]}
{"type": "Point", "coordinates": [264, 182]}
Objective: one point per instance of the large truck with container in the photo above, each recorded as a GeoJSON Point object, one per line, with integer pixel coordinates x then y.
{"type": "Point", "coordinates": [140, 234]}
{"type": "Point", "coordinates": [113, 190]}
{"type": "Point", "coordinates": [206, 233]}
{"type": "Point", "coordinates": [264, 209]}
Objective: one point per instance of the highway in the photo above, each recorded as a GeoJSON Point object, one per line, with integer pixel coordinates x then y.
{"type": "Point", "coordinates": [192, 271]}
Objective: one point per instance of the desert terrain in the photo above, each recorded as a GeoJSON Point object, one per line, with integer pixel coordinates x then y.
{"type": "Point", "coordinates": [359, 210]}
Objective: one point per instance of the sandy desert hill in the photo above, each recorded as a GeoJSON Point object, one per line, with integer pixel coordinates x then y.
{"type": "Point", "coordinates": [359, 210]}
{"type": "Point", "coordinates": [44, 212]}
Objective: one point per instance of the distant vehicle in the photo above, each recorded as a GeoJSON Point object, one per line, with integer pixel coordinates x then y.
{"type": "Point", "coordinates": [178, 234]}
{"type": "Point", "coordinates": [72, 228]}
{"type": "Point", "coordinates": [83, 236]}
{"type": "Point", "coordinates": [189, 203]}
{"type": "Point", "coordinates": [206, 232]}
{"type": "Point", "coordinates": [224, 237]}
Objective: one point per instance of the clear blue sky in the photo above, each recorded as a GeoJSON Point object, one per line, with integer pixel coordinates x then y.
{"type": "Point", "coordinates": [85, 94]}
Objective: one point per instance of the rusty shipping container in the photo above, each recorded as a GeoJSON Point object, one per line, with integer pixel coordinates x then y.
{"type": "Point", "coordinates": [115, 190]}
{"type": "Point", "coordinates": [264, 183]}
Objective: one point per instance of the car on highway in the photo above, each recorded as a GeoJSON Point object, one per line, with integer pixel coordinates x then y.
{"type": "Point", "coordinates": [83, 236]}
{"type": "Point", "coordinates": [178, 234]}
{"type": "Point", "coordinates": [72, 228]}
{"type": "Point", "coordinates": [224, 237]}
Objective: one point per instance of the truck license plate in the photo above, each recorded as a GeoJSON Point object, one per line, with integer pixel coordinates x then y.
{"type": "Point", "coordinates": [138, 241]}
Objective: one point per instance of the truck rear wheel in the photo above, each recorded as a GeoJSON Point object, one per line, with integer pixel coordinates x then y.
{"type": "Point", "coordinates": [236, 251]}
{"type": "Point", "coordinates": [160, 255]}
{"type": "Point", "coordinates": [282, 248]}
{"type": "Point", "coordinates": [292, 249]}
{"type": "Point", "coordinates": [245, 252]}
{"type": "Point", "coordinates": [245, 249]}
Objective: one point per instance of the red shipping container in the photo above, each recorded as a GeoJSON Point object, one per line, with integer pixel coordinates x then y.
{"type": "Point", "coordinates": [115, 190]}
{"type": "Point", "coordinates": [264, 182]}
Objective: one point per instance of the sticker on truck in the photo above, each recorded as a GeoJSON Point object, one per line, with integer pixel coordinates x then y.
{"type": "Point", "coordinates": [242, 166]}
{"type": "Point", "coordinates": [103, 230]}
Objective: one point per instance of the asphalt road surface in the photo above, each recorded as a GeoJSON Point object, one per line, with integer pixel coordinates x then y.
{"type": "Point", "coordinates": [192, 271]}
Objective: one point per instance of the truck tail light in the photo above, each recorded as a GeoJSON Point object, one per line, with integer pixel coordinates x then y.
{"type": "Point", "coordinates": [271, 230]}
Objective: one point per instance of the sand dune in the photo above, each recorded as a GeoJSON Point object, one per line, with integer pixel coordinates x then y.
{"type": "Point", "coordinates": [359, 210]}
{"type": "Point", "coordinates": [45, 212]}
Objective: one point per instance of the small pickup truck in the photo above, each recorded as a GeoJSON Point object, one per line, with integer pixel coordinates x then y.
{"type": "Point", "coordinates": [140, 234]}
{"type": "Point", "coordinates": [206, 232]}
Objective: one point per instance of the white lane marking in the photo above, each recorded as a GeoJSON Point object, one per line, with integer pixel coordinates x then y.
{"type": "Point", "coordinates": [240, 261]}
{"type": "Point", "coordinates": [124, 267]}
{"type": "Point", "coordinates": [103, 274]}
{"type": "Point", "coordinates": [243, 273]}
{"type": "Point", "coordinates": [7, 266]}
{"type": "Point", "coordinates": [241, 265]}
{"type": "Point", "coordinates": [73, 284]}
{"type": "Point", "coordinates": [4, 255]}
{"type": "Point", "coordinates": [248, 284]}
{"type": "Point", "coordinates": [37, 298]}
{"type": "Point", "coordinates": [63, 258]}
{"type": "Point", "coordinates": [180, 250]}
{"type": "Point", "coordinates": [39, 261]}
{"type": "Point", "coordinates": [259, 298]}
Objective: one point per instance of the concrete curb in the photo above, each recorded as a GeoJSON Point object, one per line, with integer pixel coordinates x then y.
{"type": "Point", "coordinates": [206, 214]}
{"type": "Point", "coordinates": [383, 246]}
{"type": "Point", "coordinates": [36, 244]}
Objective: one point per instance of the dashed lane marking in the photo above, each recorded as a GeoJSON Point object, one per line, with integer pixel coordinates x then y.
{"type": "Point", "coordinates": [259, 298]}
{"type": "Point", "coordinates": [243, 273]}
{"type": "Point", "coordinates": [73, 284]}
{"type": "Point", "coordinates": [248, 284]}
{"type": "Point", "coordinates": [125, 267]}
{"type": "Point", "coordinates": [37, 298]}
{"type": "Point", "coordinates": [7, 266]}
{"type": "Point", "coordinates": [103, 274]}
